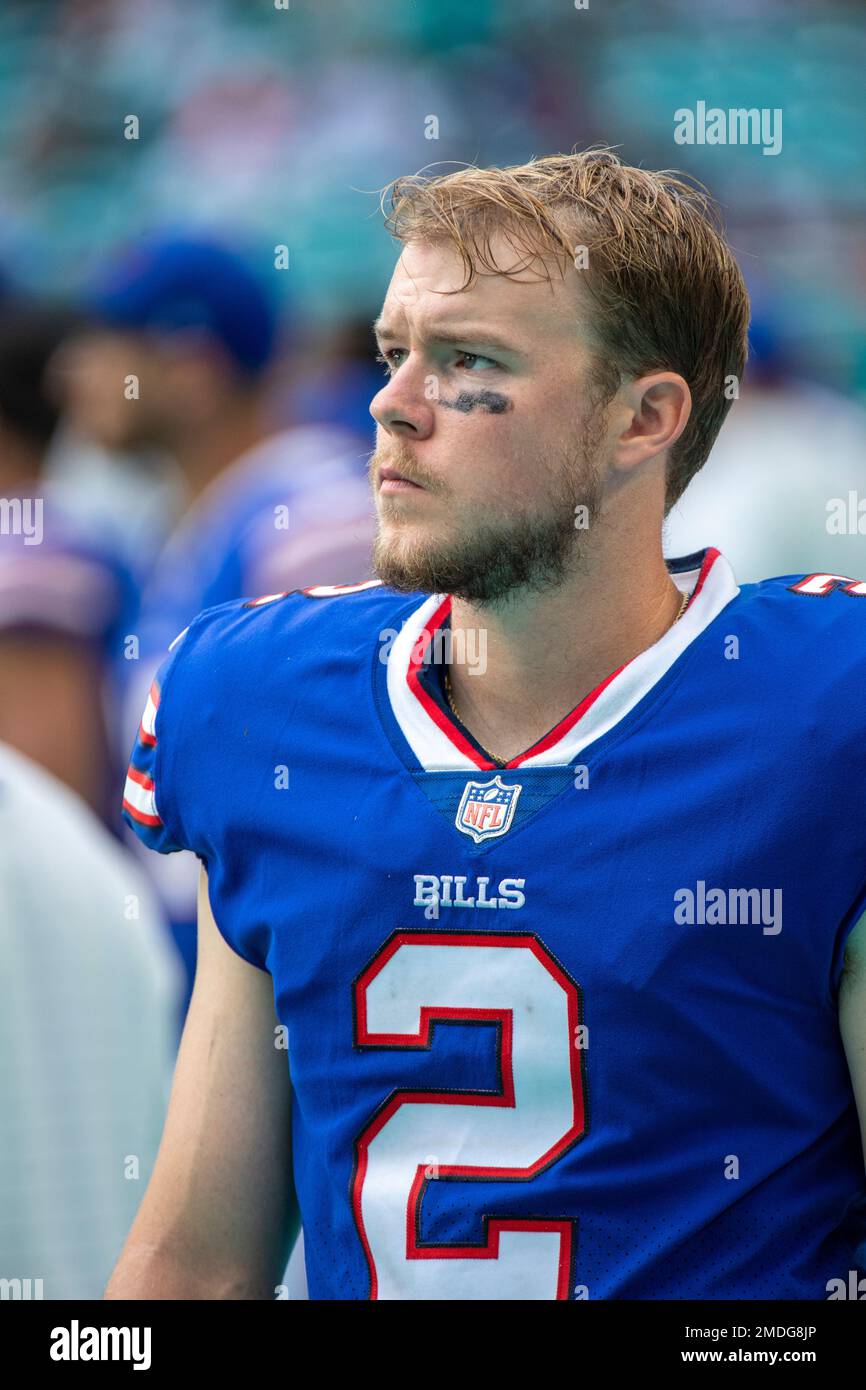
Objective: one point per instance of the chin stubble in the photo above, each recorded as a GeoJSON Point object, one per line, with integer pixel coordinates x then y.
{"type": "Point", "coordinates": [502, 554]}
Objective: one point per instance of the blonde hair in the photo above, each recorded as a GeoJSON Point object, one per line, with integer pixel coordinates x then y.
{"type": "Point", "coordinates": [667, 294]}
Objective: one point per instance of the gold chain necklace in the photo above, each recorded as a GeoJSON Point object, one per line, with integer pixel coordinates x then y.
{"type": "Point", "coordinates": [454, 710]}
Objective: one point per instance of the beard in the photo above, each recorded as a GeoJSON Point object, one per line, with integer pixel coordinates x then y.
{"type": "Point", "coordinates": [497, 554]}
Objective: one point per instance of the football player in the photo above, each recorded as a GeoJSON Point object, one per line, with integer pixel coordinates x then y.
{"type": "Point", "coordinates": [530, 965]}
{"type": "Point", "coordinates": [67, 595]}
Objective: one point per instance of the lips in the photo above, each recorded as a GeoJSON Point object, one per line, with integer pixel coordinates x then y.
{"type": "Point", "coordinates": [395, 479]}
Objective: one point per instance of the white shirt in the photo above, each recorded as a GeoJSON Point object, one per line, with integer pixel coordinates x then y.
{"type": "Point", "coordinates": [783, 463]}
{"type": "Point", "coordinates": [89, 995]}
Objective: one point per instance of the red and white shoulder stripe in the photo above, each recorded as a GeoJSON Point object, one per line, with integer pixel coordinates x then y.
{"type": "Point", "coordinates": [139, 798]}
{"type": "Point", "coordinates": [139, 792]}
{"type": "Point", "coordinates": [147, 727]}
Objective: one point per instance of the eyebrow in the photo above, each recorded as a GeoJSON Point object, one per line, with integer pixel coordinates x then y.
{"type": "Point", "coordinates": [455, 336]}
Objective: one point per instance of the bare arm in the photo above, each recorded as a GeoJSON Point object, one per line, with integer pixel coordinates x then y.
{"type": "Point", "coordinates": [852, 1017]}
{"type": "Point", "coordinates": [219, 1216]}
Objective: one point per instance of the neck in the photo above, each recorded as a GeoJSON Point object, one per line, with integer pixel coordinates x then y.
{"type": "Point", "coordinates": [211, 445]}
{"type": "Point", "coordinates": [545, 652]}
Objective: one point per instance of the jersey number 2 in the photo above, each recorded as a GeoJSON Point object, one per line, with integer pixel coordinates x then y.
{"type": "Point", "coordinates": [537, 1112]}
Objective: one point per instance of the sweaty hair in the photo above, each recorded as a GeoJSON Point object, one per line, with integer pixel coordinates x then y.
{"type": "Point", "coordinates": [666, 293]}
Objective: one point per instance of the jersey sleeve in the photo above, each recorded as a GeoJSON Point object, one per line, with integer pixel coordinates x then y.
{"type": "Point", "coordinates": [149, 803]}
{"type": "Point", "coordinates": [190, 747]}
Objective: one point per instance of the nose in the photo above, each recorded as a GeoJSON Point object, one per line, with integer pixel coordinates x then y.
{"type": "Point", "coordinates": [401, 407]}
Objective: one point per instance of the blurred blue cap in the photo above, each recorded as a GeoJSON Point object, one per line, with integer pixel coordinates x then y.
{"type": "Point", "coordinates": [172, 283]}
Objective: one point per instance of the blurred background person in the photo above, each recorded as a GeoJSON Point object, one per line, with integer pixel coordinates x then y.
{"type": "Point", "coordinates": [66, 600]}
{"type": "Point", "coordinates": [89, 991]}
{"type": "Point", "coordinates": [179, 358]}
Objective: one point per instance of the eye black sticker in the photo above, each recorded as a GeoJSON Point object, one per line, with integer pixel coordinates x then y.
{"type": "Point", "coordinates": [491, 401]}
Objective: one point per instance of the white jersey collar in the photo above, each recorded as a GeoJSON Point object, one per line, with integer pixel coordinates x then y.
{"type": "Point", "coordinates": [438, 742]}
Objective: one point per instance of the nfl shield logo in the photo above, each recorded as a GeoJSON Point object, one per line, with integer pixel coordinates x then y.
{"type": "Point", "coordinates": [486, 809]}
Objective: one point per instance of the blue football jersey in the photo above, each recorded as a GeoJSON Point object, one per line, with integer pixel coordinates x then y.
{"type": "Point", "coordinates": [559, 1028]}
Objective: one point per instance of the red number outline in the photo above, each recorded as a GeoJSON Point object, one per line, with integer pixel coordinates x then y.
{"type": "Point", "coordinates": [836, 584]}
{"type": "Point", "coordinates": [431, 1016]}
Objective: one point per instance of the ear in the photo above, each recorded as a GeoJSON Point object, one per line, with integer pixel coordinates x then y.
{"type": "Point", "coordinates": [657, 409]}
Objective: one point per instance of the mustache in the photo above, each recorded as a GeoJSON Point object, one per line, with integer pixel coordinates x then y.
{"type": "Point", "coordinates": [399, 458]}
